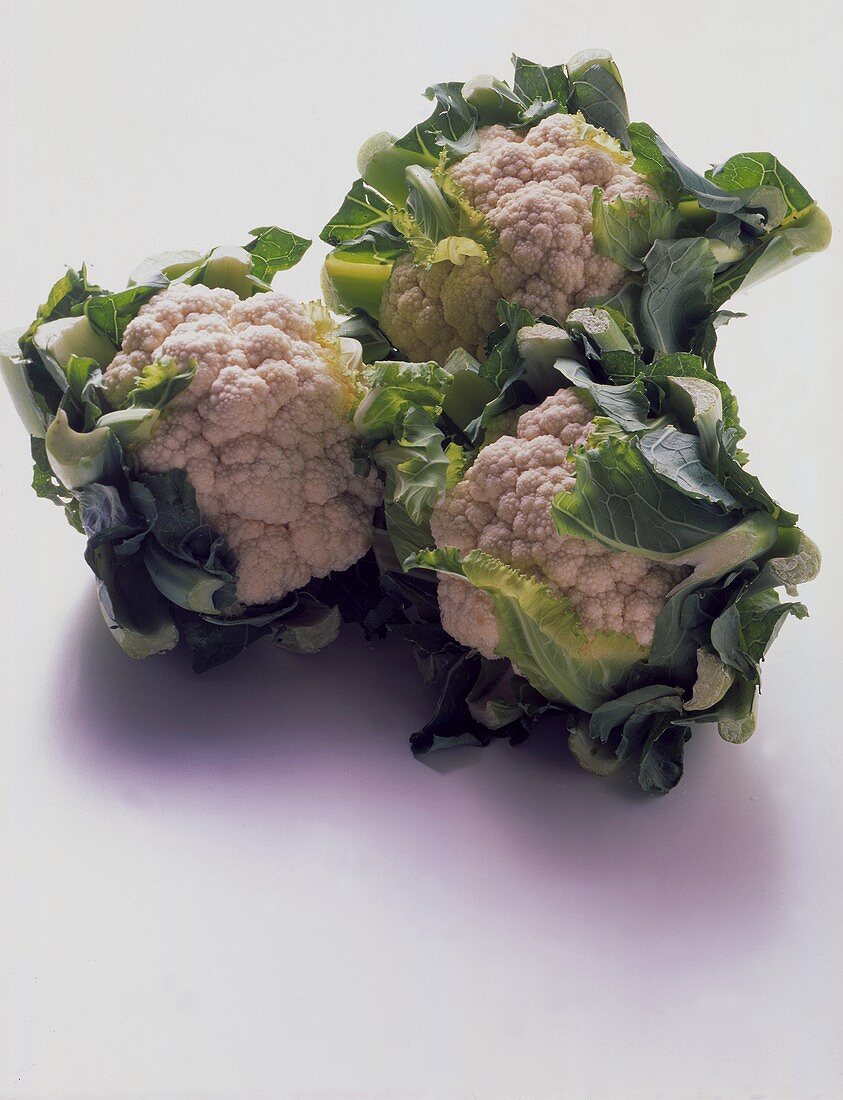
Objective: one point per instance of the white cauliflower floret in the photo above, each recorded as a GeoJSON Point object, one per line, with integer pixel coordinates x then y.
{"type": "Point", "coordinates": [263, 432]}
{"type": "Point", "coordinates": [535, 189]}
{"type": "Point", "coordinates": [502, 507]}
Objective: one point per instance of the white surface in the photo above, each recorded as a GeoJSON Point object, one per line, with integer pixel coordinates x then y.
{"type": "Point", "coordinates": [243, 885]}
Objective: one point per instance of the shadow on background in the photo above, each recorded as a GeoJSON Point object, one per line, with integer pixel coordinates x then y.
{"type": "Point", "coordinates": [522, 831]}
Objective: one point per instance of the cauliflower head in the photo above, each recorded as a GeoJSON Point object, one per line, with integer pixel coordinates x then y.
{"type": "Point", "coordinates": [535, 190]}
{"type": "Point", "coordinates": [263, 431]}
{"type": "Point", "coordinates": [502, 506]}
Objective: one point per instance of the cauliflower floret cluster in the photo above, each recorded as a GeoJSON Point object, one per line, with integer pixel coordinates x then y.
{"type": "Point", "coordinates": [502, 507]}
{"type": "Point", "coordinates": [262, 431]}
{"type": "Point", "coordinates": [535, 189]}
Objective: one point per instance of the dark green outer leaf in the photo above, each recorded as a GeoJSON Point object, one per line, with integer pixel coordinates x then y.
{"type": "Point", "coordinates": [626, 405]}
{"type": "Point", "coordinates": [539, 82]}
{"type": "Point", "coordinates": [745, 630]}
{"type": "Point", "coordinates": [662, 758]}
{"type": "Point", "coordinates": [46, 485]}
{"type": "Point", "coordinates": [747, 488]}
{"type": "Point", "coordinates": [503, 367]}
{"type": "Point", "coordinates": [621, 367]}
{"type": "Point", "coordinates": [597, 92]}
{"type": "Point", "coordinates": [657, 162]}
{"type": "Point", "coordinates": [676, 456]}
{"type": "Point", "coordinates": [677, 293]}
{"type": "Point", "coordinates": [452, 125]}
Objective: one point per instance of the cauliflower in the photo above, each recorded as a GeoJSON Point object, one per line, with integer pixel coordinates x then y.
{"type": "Point", "coordinates": [540, 193]}
{"type": "Point", "coordinates": [535, 190]}
{"type": "Point", "coordinates": [503, 507]}
{"type": "Point", "coordinates": [263, 431]}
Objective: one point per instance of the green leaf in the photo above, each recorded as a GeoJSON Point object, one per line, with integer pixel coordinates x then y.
{"type": "Point", "coordinates": [795, 559]}
{"type": "Point", "coordinates": [503, 368]}
{"type": "Point", "coordinates": [354, 280]}
{"type": "Point", "coordinates": [722, 569]}
{"type": "Point", "coordinates": [311, 627]}
{"type": "Point", "coordinates": [382, 243]}
{"type": "Point", "coordinates": [274, 250]}
{"type": "Point", "coordinates": [803, 234]}
{"type": "Point", "coordinates": [540, 82]}
{"type": "Point", "coordinates": [437, 222]}
{"type": "Point", "coordinates": [137, 615]}
{"type": "Point", "coordinates": [672, 177]}
{"type": "Point", "coordinates": [360, 327]}
{"type": "Point", "coordinates": [195, 567]}
{"type": "Point", "coordinates": [623, 368]}
{"type": "Point", "coordinates": [625, 229]}
{"type": "Point", "coordinates": [596, 91]}
{"type": "Point", "coordinates": [47, 485]}
{"type": "Point", "coordinates": [66, 296]}
{"type": "Point", "coordinates": [33, 408]}
{"type": "Point", "coordinates": [541, 634]}
{"type": "Point", "coordinates": [184, 584]}
{"type": "Point", "coordinates": [159, 382]}
{"type": "Point", "coordinates": [677, 457]}
{"type": "Point", "coordinates": [493, 101]}
{"type": "Point", "coordinates": [212, 645]}
{"type": "Point", "coordinates": [626, 405]}
{"type": "Point", "coordinates": [393, 389]}
{"type": "Point", "coordinates": [744, 632]}
{"type": "Point", "coordinates": [454, 671]}
{"type": "Point", "coordinates": [677, 294]}
{"type": "Point", "coordinates": [362, 208]}
{"type": "Point", "coordinates": [747, 488]}
{"type": "Point", "coordinates": [662, 758]}
{"type": "Point", "coordinates": [110, 314]}
{"type": "Point", "coordinates": [749, 171]}
{"type": "Point", "coordinates": [417, 466]}
{"type": "Point", "coordinates": [619, 501]}
{"type": "Point", "coordinates": [451, 126]}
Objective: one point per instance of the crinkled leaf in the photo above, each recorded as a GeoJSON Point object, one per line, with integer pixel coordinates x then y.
{"type": "Point", "coordinates": [395, 388]}
{"type": "Point", "coordinates": [541, 634]}
{"type": "Point", "coordinates": [417, 465]}
{"type": "Point", "coordinates": [159, 382]}
{"type": "Point", "coordinates": [625, 229]}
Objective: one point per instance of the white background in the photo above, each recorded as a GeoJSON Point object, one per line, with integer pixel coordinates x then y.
{"type": "Point", "coordinates": [243, 885]}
